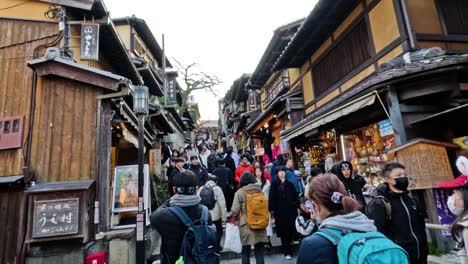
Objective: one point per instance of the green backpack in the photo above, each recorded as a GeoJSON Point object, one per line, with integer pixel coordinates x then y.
{"type": "Point", "coordinates": [364, 248]}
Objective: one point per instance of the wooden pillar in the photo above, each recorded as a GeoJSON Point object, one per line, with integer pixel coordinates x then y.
{"type": "Point", "coordinates": [395, 116]}
{"type": "Point", "coordinates": [104, 145]}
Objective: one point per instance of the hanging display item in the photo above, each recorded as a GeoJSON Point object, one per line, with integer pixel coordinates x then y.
{"type": "Point", "coordinates": [365, 149]}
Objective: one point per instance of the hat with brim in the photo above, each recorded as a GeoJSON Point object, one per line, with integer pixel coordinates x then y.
{"type": "Point", "coordinates": [457, 183]}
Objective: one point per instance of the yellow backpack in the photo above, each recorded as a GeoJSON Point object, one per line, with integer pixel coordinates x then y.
{"type": "Point", "coordinates": [257, 214]}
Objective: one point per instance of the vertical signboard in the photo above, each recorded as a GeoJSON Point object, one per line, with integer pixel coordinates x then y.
{"type": "Point", "coordinates": [171, 90]}
{"type": "Point", "coordinates": [89, 42]}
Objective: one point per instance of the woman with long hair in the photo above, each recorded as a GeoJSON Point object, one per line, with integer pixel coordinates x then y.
{"type": "Point", "coordinates": [261, 179]}
{"type": "Point", "coordinates": [258, 163]}
{"type": "Point", "coordinates": [334, 209]}
{"type": "Point", "coordinates": [256, 237]}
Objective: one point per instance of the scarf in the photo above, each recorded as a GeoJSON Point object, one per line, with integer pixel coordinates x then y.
{"type": "Point", "coordinates": [184, 200]}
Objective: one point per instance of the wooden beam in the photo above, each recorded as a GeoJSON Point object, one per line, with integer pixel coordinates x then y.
{"type": "Point", "coordinates": [418, 108]}
{"type": "Point", "coordinates": [427, 88]}
{"type": "Point", "coordinates": [395, 116]}
{"type": "Point", "coordinates": [441, 37]}
{"type": "Point", "coordinates": [104, 144]}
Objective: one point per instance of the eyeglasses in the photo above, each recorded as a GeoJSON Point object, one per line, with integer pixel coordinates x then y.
{"type": "Point", "coordinates": [189, 190]}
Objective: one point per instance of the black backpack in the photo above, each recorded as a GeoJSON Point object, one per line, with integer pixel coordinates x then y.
{"type": "Point", "coordinates": [199, 245]}
{"type": "Point", "coordinates": [208, 197]}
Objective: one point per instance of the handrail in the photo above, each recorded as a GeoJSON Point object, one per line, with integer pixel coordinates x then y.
{"type": "Point", "coordinates": [437, 226]}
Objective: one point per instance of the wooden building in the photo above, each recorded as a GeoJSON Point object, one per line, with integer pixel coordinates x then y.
{"type": "Point", "coordinates": [376, 74]}
{"type": "Point", "coordinates": [69, 121]}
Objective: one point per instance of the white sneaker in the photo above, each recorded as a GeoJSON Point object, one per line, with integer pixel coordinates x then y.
{"type": "Point", "coordinates": [288, 257]}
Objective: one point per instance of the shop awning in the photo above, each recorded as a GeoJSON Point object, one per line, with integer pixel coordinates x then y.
{"type": "Point", "coordinates": [328, 117]}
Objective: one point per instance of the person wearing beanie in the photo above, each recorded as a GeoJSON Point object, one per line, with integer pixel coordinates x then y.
{"type": "Point", "coordinates": [170, 227]}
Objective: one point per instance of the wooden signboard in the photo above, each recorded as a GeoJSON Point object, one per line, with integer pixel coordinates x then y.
{"type": "Point", "coordinates": [89, 42]}
{"type": "Point", "coordinates": [426, 162]}
{"type": "Point", "coordinates": [56, 217]}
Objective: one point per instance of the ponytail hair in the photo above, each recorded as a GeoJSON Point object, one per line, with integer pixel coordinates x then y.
{"type": "Point", "coordinates": [327, 190]}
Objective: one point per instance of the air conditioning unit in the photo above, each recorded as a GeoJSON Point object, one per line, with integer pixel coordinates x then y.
{"type": "Point", "coordinates": [11, 132]}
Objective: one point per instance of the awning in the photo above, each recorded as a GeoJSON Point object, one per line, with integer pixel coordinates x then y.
{"type": "Point", "coordinates": [328, 117]}
{"type": "Point", "coordinates": [126, 112]}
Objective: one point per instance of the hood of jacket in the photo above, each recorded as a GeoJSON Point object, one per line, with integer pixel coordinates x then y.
{"type": "Point", "coordinates": [210, 183]}
{"type": "Point", "coordinates": [384, 190]}
{"type": "Point", "coordinates": [337, 171]}
{"type": "Point", "coordinates": [253, 187]}
{"type": "Point", "coordinates": [355, 221]}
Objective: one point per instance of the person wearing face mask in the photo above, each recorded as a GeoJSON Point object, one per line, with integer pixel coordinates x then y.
{"type": "Point", "coordinates": [397, 215]}
{"type": "Point", "coordinates": [456, 204]}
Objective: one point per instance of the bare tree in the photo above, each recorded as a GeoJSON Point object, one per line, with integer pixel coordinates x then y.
{"type": "Point", "coordinates": [195, 81]}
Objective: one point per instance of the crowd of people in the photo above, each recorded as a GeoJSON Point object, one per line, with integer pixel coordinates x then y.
{"type": "Point", "coordinates": [323, 211]}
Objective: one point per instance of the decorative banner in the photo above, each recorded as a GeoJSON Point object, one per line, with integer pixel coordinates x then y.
{"type": "Point", "coordinates": [55, 217]}
{"type": "Point", "coordinates": [89, 42]}
{"type": "Point", "coordinates": [445, 216]}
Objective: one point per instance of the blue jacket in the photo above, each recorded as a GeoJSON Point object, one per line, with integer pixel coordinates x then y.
{"type": "Point", "coordinates": [291, 177]}
{"type": "Point", "coordinates": [316, 249]}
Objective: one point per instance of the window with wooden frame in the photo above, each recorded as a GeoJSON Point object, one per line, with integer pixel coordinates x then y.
{"type": "Point", "coordinates": [455, 15]}
{"type": "Point", "coordinates": [349, 53]}
{"type": "Point", "coordinates": [137, 47]}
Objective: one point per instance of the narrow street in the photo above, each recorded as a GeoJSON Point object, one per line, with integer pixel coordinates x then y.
{"type": "Point", "coordinates": [207, 132]}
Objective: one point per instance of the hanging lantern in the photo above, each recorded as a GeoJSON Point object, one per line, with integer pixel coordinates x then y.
{"type": "Point", "coordinates": [140, 100]}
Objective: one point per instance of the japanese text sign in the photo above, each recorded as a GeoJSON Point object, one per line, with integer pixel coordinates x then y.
{"type": "Point", "coordinates": [55, 217]}
{"type": "Point", "coordinates": [89, 42]}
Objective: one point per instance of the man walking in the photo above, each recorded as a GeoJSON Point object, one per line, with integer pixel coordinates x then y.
{"type": "Point", "coordinates": [396, 214]}
{"type": "Point", "coordinates": [243, 168]}
{"type": "Point", "coordinates": [225, 182]}
{"type": "Point", "coordinates": [199, 170]}
{"type": "Point", "coordinates": [212, 161]}
{"type": "Point", "coordinates": [168, 224]}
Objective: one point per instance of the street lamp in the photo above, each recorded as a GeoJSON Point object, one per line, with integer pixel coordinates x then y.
{"type": "Point", "coordinates": [140, 107]}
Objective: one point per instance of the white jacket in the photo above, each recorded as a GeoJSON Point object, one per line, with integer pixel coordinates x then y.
{"type": "Point", "coordinates": [266, 187]}
{"type": "Point", "coordinates": [219, 211]}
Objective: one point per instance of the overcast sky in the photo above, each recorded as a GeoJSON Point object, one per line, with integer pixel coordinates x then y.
{"type": "Point", "coordinates": [226, 38]}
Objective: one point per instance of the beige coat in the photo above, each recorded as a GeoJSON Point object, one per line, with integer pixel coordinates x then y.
{"type": "Point", "coordinates": [219, 211]}
{"type": "Point", "coordinates": [247, 236]}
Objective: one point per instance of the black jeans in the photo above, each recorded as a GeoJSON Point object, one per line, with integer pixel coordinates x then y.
{"type": "Point", "coordinates": [259, 253]}
{"type": "Point", "coordinates": [286, 244]}
{"type": "Point", "coordinates": [219, 229]}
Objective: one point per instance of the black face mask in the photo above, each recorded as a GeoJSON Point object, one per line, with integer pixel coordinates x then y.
{"type": "Point", "coordinates": [401, 183]}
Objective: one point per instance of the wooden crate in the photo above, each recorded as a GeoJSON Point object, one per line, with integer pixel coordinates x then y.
{"type": "Point", "coordinates": [426, 162]}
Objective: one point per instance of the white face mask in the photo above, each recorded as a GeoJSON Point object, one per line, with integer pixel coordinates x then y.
{"type": "Point", "coordinates": [451, 205]}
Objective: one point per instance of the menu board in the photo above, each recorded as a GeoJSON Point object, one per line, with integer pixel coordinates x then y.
{"type": "Point", "coordinates": [55, 217]}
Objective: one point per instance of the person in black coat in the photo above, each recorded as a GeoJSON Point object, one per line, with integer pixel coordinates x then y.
{"type": "Point", "coordinates": [225, 182]}
{"type": "Point", "coordinates": [199, 170]}
{"type": "Point", "coordinates": [283, 204]}
{"type": "Point", "coordinates": [170, 227]}
{"type": "Point", "coordinates": [405, 226]}
{"type": "Point", "coordinates": [353, 184]}
{"type": "Point", "coordinates": [229, 161]}
{"type": "Point", "coordinates": [212, 161]}
{"type": "Point", "coordinates": [179, 166]}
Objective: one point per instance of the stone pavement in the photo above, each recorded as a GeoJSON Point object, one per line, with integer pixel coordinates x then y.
{"type": "Point", "coordinates": [270, 259]}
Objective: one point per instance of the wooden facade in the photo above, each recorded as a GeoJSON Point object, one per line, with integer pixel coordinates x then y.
{"type": "Point", "coordinates": [16, 48]}
{"type": "Point", "coordinates": [64, 132]}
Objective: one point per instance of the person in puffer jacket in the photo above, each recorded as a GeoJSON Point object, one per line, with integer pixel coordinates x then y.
{"type": "Point", "coordinates": [334, 208]}
{"type": "Point", "coordinates": [218, 213]}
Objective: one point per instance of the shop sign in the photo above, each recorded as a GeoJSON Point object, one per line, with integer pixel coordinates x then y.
{"type": "Point", "coordinates": [89, 42]}
{"type": "Point", "coordinates": [445, 216]}
{"type": "Point", "coordinates": [171, 90]}
{"type": "Point", "coordinates": [55, 217]}
{"type": "Point", "coordinates": [385, 128]}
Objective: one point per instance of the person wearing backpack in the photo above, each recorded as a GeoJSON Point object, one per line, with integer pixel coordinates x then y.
{"type": "Point", "coordinates": [212, 197]}
{"type": "Point", "coordinates": [185, 225]}
{"type": "Point", "coordinates": [283, 204]}
{"type": "Point", "coordinates": [345, 234]}
{"type": "Point", "coordinates": [397, 215]}
{"type": "Point", "coordinates": [252, 206]}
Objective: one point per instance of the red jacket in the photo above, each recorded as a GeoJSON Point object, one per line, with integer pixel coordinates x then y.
{"type": "Point", "coordinates": [240, 170]}
{"type": "Point", "coordinates": [267, 175]}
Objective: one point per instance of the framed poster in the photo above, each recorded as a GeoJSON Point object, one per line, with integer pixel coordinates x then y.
{"type": "Point", "coordinates": [125, 194]}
